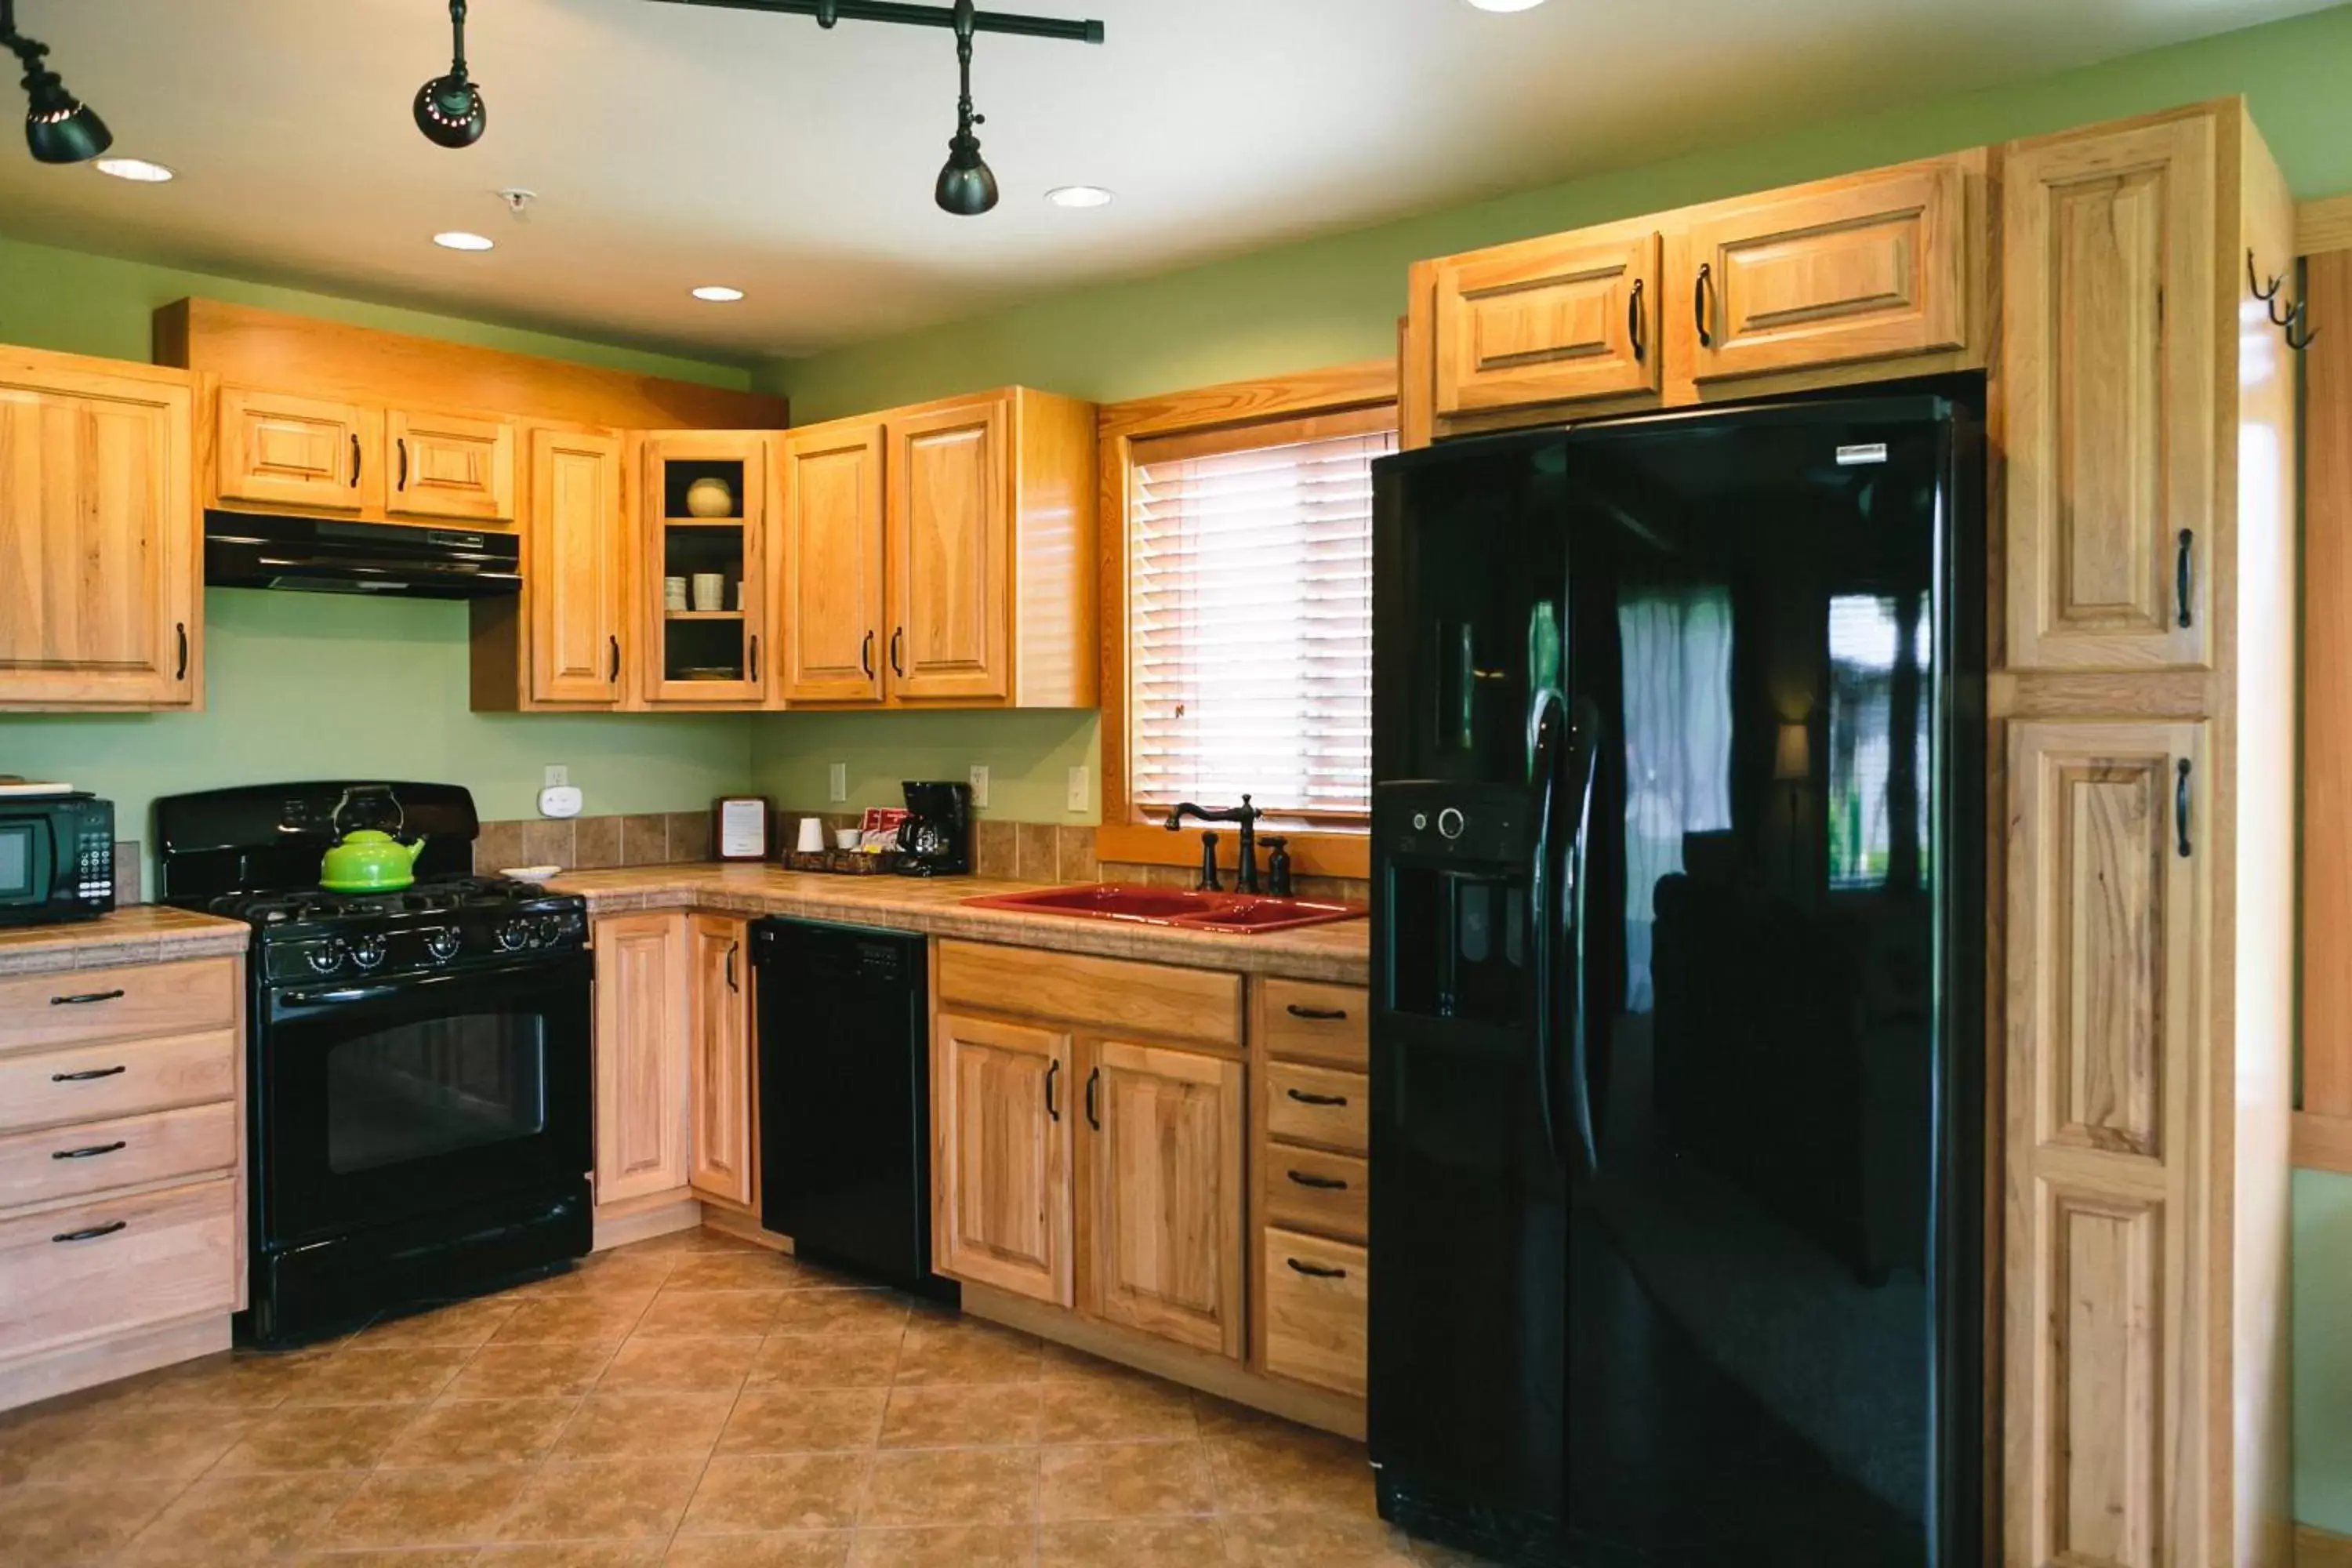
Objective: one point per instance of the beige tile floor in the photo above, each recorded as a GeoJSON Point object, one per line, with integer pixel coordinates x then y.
{"type": "Point", "coordinates": [691, 1400]}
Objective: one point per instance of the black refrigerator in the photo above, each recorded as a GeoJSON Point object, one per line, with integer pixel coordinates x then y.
{"type": "Point", "coordinates": [1677, 1040]}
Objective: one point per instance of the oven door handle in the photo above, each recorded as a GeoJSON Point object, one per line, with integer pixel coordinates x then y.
{"type": "Point", "coordinates": [423, 984]}
{"type": "Point", "coordinates": [339, 994]}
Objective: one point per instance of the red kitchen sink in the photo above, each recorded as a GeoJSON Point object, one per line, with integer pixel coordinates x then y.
{"type": "Point", "coordinates": [1241, 914]}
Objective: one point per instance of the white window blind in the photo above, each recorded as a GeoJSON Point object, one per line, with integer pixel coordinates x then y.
{"type": "Point", "coordinates": [1250, 622]}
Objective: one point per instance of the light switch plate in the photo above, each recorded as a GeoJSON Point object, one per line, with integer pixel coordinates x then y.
{"type": "Point", "coordinates": [1081, 795]}
{"type": "Point", "coordinates": [837, 785]}
{"type": "Point", "coordinates": [558, 775]}
{"type": "Point", "coordinates": [980, 786]}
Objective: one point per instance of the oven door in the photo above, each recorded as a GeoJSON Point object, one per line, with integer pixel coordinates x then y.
{"type": "Point", "coordinates": [383, 1103]}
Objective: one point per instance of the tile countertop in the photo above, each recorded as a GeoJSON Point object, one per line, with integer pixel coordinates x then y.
{"type": "Point", "coordinates": [1338, 953]}
{"type": "Point", "coordinates": [136, 933]}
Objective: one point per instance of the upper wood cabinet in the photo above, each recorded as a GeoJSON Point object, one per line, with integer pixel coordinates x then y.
{"type": "Point", "coordinates": [829, 551]}
{"type": "Point", "coordinates": [1001, 1211]}
{"type": "Point", "coordinates": [642, 1073]}
{"type": "Point", "coordinates": [1552, 320]}
{"type": "Point", "coordinates": [704, 527]}
{"type": "Point", "coordinates": [100, 526]}
{"type": "Point", "coordinates": [2111, 363]}
{"type": "Point", "coordinates": [277, 449]}
{"type": "Point", "coordinates": [719, 1080]}
{"type": "Point", "coordinates": [951, 553]}
{"type": "Point", "coordinates": [445, 466]}
{"type": "Point", "coordinates": [576, 568]}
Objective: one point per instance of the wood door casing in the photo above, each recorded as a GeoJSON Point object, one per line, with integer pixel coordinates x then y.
{"type": "Point", "coordinates": [2110, 364]}
{"type": "Point", "coordinates": [718, 1047]}
{"type": "Point", "coordinates": [1002, 1172]}
{"type": "Point", "coordinates": [830, 540]}
{"type": "Point", "coordinates": [950, 554]}
{"type": "Point", "coordinates": [447, 465]}
{"type": "Point", "coordinates": [642, 1017]}
{"type": "Point", "coordinates": [282, 450]}
{"type": "Point", "coordinates": [2108, 954]}
{"type": "Point", "coordinates": [98, 538]}
{"type": "Point", "coordinates": [1575, 318]}
{"type": "Point", "coordinates": [1162, 1192]}
{"type": "Point", "coordinates": [578, 582]}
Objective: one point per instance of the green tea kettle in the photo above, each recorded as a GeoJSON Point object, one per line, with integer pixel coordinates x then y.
{"type": "Point", "coordinates": [367, 860]}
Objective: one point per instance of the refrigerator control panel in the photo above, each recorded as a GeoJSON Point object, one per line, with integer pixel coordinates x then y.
{"type": "Point", "coordinates": [1455, 822]}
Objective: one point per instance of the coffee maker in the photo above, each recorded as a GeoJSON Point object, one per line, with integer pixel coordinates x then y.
{"type": "Point", "coordinates": [935, 839]}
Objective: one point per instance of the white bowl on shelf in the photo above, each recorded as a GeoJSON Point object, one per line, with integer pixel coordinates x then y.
{"type": "Point", "coordinates": [531, 873]}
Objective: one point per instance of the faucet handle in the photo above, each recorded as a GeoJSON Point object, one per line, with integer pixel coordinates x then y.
{"type": "Point", "coordinates": [1209, 882]}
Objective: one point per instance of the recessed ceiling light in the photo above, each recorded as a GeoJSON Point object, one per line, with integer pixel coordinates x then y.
{"type": "Point", "coordinates": [718, 293]}
{"type": "Point", "coordinates": [137, 170]}
{"type": "Point", "coordinates": [1507, 5]}
{"type": "Point", "coordinates": [1079, 196]}
{"type": "Point", "coordinates": [458, 239]}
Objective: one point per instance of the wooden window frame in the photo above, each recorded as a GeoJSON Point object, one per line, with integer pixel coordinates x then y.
{"type": "Point", "coordinates": [1123, 837]}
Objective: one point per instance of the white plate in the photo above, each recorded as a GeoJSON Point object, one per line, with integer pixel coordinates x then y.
{"type": "Point", "coordinates": [531, 873]}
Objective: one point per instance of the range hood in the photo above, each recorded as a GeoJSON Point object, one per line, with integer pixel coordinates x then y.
{"type": "Point", "coordinates": [391, 560]}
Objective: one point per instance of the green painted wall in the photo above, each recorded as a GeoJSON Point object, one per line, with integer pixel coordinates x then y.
{"type": "Point", "coordinates": [1028, 757]}
{"type": "Point", "coordinates": [2323, 1350]}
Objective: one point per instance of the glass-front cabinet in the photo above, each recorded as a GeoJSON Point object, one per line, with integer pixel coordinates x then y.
{"type": "Point", "coordinates": [705, 577]}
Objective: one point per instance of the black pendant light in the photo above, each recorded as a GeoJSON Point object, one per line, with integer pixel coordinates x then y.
{"type": "Point", "coordinates": [59, 127]}
{"type": "Point", "coordinates": [967, 186]}
{"type": "Point", "coordinates": [449, 108]}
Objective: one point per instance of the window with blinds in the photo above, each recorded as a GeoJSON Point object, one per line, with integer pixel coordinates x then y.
{"type": "Point", "coordinates": [1250, 617]}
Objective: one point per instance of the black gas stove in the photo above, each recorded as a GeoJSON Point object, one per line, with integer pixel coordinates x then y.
{"type": "Point", "coordinates": [419, 1106]}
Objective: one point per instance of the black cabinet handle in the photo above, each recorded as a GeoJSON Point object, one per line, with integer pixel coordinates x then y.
{"type": "Point", "coordinates": [181, 628]}
{"type": "Point", "coordinates": [1093, 1079]}
{"type": "Point", "coordinates": [2181, 805]}
{"type": "Point", "coordinates": [1304, 1097]}
{"type": "Point", "coordinates": [1318, 1014]}
{"type": "Point", "coordinates": [897, 636]}
{"type": "Point", "coordinates": [1698, 305]}
{"type": "Point", "coordinates": [866, 656]}
{"type": "Point", "coordinates": [91, 1152]}
{"type": "Point", "coordinates": [400, 444]}
{"type": "Point", "coordinates": [1052, 1074]}
{"type": "Point", "coordinates": [732, 948]}
{"type": "Point", "coordinates": [753, 672]}
{"type": "Point", "coordinates": [616, 659]}
{"type": "Point", "coordinates": [2180, 573]}
{"type": "Point", "coordinates": [84, 999]}
{"type": "Point", "coordinates": [86, 1076]}
{"type": "Point", "coordinates": [1320, 1183]}
{"type": "Point", "coordinates": [355, 461]}
{"type": "Point", "coordinates": [94, 1232]}
{"type": "Point", "coordinates": [1633, 319]}
{"type": "Point", "coordinates": [1313, 1271]}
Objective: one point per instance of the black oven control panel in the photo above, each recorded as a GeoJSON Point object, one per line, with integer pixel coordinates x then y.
{"type": "Point", "coordinates": [364, 948]}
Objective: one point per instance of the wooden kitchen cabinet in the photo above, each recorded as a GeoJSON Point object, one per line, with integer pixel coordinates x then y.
{"type": "Point", "coordinates": [1560, 320]}
{"type": "Point", "coordinates": [720, 1087]}
{"type": "Point", "coordinates": [282, 450]}
{"type": "Point", "coordinates": [708, 655]}
{"type": "Point", "coordinates": [450, 467]}
{"type": "Point", "coordinates": [1002, 1206]}
{"type": "Point", "coordinates": [949, 551]}
{"type": "Point", "coordinates": [829, 548]}
{"type": "Point", "coordinates": [643, 1016]}
{"type": "Point", "coordinates": [563, 641]}
{"type": "Point", "coordinates": [100, 526]}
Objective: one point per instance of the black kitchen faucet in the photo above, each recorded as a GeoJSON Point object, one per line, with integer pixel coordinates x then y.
{"type": "Point", "coordinates": [1245, 815]}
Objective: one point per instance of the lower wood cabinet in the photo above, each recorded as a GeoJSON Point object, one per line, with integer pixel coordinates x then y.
{"type": "Point", "coordinates": [720, 1087]}
{"type": "Point", "coordinates": [642, 1015]}
{"type": "Point", "coordinates": [1003, 1212]}
{"type": "Point", "coordinates": [1316, 1305]}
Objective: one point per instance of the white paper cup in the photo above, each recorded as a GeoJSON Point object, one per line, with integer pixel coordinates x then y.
{"type": "Point", "coordinates": [848, 837]}
{"type": "Point", "coordinates": [812, 841]}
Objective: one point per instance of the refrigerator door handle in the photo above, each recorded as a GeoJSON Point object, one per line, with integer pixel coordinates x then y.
{"type": "Point", "coordinates": [1584, 760]}
{"type": "Point", "coordinates": [1544, 726]}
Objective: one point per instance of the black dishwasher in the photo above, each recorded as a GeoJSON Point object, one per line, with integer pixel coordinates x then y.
{"type": "Point", "coordinates": [844, 1098]}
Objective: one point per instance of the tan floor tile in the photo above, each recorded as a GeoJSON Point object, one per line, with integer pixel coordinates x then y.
{"type": "Point", "coordinates": [317, 1437]}
{"type": "Point", "coordinates": [465, 1325]}
{"type": "Point", "coordinates": [1291, 1470]}
{"type": "Point", "coordinates": [434, 1557]}
{"type": "Point", "coordinates": [236, 1519]}
{"type": "Point", "coordinates": [840, 1312]}
{"type": "Point", "coordinates": [1122, 1481]}
{"type": "Point", "coordinates": [960, 1415]}
{"type": "Point", "coordinates": [359, 1376]}
{"type": "Point", "coordinates": [154, 1450]}
{"type": "Point", "coordinates": [1429, 1554]}
{"type": "Point", "coordinates": [231, 1380]}
{"type": "Point", "coordinates": [1106, 1407]}
{"type": "Point", "coordinates": [572, 1554]}
{"type": "Point", "coordinates": [1313, 1541]}
{"type": "Point", "coordinates": [952, 1485]}
{"type": "Point", "coordinates": [426, 1507]}
{"type": "Point", "coordinates": [574, 1320]}
{"type": "Point", "coordinates": [682, 1366]}
{"type": "Point", "coordinates": [826, 1361]}
{"type": "Point", "coordinates": [635, 1499]}
{"type": "Point", "coordinates": [709, 1314]}
{"type": "Point", "coordinates": [28, 1434]}
{"type": "Point", "coordinates": [1132, 1543]}
{"type": "Point", "coordinates": [967, 1352]}
{"type": "Point", "coordinates": [48, 1525]}
{"type": "Point", "coordinates": [809, 1548]}
{"type": "Point", "coordinates": [480, 1432]}
{"type": "Point", "coordinates": [947, 1546]}
{"type": "Point", "coordinates": [757, 1269]}
{"type": "Point", "coordinates": [613, 1272]}
{"type": "Point", "coordinates": [525, 1371]}
{"type": "Point", "coordinates": [804, 1420]}
{"type": "Point", "coordinates": [1222, 1418]}
{"type": "Point", "coordinates": [616, 1426]}
{"type": "Point", "coordinates": [778, 1492]}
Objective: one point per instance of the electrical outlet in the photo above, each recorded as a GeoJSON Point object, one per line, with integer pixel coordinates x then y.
{"type": "Point", "coordinates": [558, 775]}
{"type": "Point", "coordinates": [980, 786]}
{"type": "Point", "coordinates": [836, 784]}
{"type": "Point", "coordinates": [1081, 795]}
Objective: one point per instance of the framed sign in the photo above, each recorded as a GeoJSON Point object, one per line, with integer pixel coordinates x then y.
{"type": "Point", "coordinates": [739, 825]}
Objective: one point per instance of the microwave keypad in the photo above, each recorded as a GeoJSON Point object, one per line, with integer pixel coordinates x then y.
{"type": "Point", "coordinates": [97, 868]}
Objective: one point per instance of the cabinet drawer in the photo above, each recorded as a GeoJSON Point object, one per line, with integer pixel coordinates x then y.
{"type": "Point", "coordinates": [1316, 1297]}
{"type": "Point", "coordinates": [117, 1004]}
{"type": "Point", "coordinates": [1113, 995]}
{"type": "Point", "coordinates": [1325, 1024]}
{"type": "Point", "coordinates": [1308, 1189]}
{"type": "Point", "coordinates": [127, 1263]}
{"type": "Point", "coordinates": [48, 1088]}
{"type": "Point", "coordinates": [1318, 1106]}
{"type": "Point", "coordinates": [132, 1151]}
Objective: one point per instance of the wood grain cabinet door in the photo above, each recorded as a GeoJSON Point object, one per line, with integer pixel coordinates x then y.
{"type": "Point", "coordinates": [719, 1086]}
{"type": "Point", "coordinates": [2109, 1061]}
{"type": "Point", "coordinates": [1552, 322]}
{"type": "Point", "coordinates": [100, 530]}
{"type": "Point", "coordinates": [830, 545]}
{"type": "Point", "coordinates": [447, 466]}
{"type": "Point", "coordinates": [281, 451]}
{"type": "Point", "coordinates": [1001, 1157]}
{"type": "Point", "coordinates": [1162, 1192]}
{"type": "Point", "coordinates": [577, 584]}
{"type": "Point", "coordinates": [1868, 267]}
{"type": "Point", "coordinates": [642, 1012]}
{"type": "Point", "coordinates": [2109, 245]}
{"type": "Point", "coordinates": [950, 554]}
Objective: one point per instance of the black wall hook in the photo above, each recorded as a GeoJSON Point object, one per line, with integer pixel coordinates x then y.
{"type": "Point", "coordinates": [2294, 321]}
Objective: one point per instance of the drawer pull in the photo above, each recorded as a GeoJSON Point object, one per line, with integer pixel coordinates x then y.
{"type": "Point", "coordinates": [86, 1075]}
{"type": "Point", "coordinates": [1318, 1014]}
{"type": "Point", "coordinates": [110, 1226]}
{"type": "Point", "coordinates": [1320, 1183]}
{"type": "Point", "coordinates": [1304, 1097]}
{"type": "Point", "coordinates": [86, 999]}
{"type": "Point", "coordinates": [1313, 1271]}
{"type": "Point", "coordinates": [92, 1151]}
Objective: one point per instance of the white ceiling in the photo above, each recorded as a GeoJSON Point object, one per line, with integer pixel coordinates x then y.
{"type": "Point", "coordinates": [678, 145]}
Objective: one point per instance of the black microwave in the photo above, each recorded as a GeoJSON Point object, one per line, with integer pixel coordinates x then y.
{"type": "Point", "coordinates": [57, 858]}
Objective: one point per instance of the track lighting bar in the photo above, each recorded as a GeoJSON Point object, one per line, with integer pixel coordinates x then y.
{"type": "Point", "coordinates": [831, 11]}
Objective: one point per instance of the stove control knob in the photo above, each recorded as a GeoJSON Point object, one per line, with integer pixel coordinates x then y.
{"type": "Point", "coordinates": [368, 952]}
{"type": "Point", "coordinates": [443, 943]}
{"type": "Point", "coordinates": [550, 931]}
{"type": "Point", "coordinates": [514, 935]}
{"type": "Point", "coordinates": [326, 957]}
